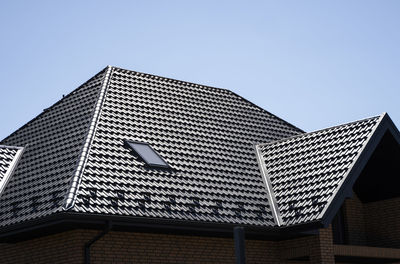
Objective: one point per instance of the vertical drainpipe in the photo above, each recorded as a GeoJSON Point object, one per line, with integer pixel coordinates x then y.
{"type": "Point", "coordinates": [238, 234]}
{"type": "Point", "coordinates": [93, 240]}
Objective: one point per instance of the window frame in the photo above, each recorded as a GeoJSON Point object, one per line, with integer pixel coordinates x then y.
{"type": "Point", "coordinates": [165, 165]}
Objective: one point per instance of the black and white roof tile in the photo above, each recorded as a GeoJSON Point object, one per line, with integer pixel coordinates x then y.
{"type": "Point", "coordinates": [52, 142]}
{"type": "Point", "coordinates": [75, 158]}
{"type": "Point", "coordinates": [305, 171]}
{"type": "Point", "coordinates": [206, 135]}
{"type": "Point", "coordinates": [7, 155]}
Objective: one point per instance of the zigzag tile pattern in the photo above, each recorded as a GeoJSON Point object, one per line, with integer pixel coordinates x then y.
{"type": "Point", "coordinates": [53, 141]}
{"type": "Point", "coordinates": [206, 134]}
{"type": "Point", "coordinates": [6, 157]}
{"type": "Point", "coordinates": [305, 171]}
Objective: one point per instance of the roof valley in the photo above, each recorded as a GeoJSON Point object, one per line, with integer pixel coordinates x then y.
{"type": "Point", "coordinates": [267, 181]}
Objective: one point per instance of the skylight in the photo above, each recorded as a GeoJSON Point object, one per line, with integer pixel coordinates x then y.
{"type": "Point", "coordinates": [148, 154]}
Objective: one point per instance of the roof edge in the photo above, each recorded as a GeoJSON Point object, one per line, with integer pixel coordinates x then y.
{"type": "Point", "coordinates": [76, 179]}
{"type": "Point", "coordinates": [48, 108]}
{"type": "Point", "coordinates": [217, 88]}
{"type": "Point", "coordinates": [344, 190]}
{"type": "Point", "coordinates": [143, 224]}
{"type": "Point", "coordinates": [319, 130]}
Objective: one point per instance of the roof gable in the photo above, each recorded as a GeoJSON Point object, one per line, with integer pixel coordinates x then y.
{"type": "Point", "coordinates": [311, 174]}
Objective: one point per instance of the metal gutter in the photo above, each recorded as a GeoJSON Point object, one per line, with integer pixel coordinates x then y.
{"type": "Point", "coordinates": [240, 249]}
{"type": "Point", "coordinates": [268, 184]}
{"type": "Point", "coordinates": [93, 240]}
{"type": "Point", "coordinates": [77, 178]}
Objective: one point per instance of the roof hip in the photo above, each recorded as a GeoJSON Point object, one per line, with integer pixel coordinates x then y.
{"type": "Point", "coordinates": [80, 166]}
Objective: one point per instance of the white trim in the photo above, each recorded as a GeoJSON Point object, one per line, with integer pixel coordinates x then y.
{"type": "Point", "coordinates": [11, 168]}
{"type": "Point", "coordinates": [84, 155]}
{"type": "Point", "coordinates": [271, 198]}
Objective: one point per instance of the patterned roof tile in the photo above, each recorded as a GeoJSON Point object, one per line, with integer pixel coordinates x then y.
{"type": "Point", "coordinates": [305, 171]}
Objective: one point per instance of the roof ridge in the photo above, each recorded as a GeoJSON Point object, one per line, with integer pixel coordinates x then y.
{"type": "Point", "coordinates": [10, 147]}
{"type": "Point", "coordinates": [53, 105]}
{"type": "Point", "coordinates": [215, 88]}
{"type": "Point", "coordinates": [320, 130]}
{"type": "Point", "coordinates": [70, 197]}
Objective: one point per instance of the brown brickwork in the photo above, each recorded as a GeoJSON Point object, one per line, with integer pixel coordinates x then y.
{"type": "Point", "coordinates": [128, 247]}
{"type": "Point", "coordinates": [59, 248]}
{"type": "Point", "coordinates": [124, 247]}
{"type": "Point", "coordinates": [372, 224]}
{"type": "Point", "coordinates": [354, 221]}
{"type": "Point", "coordinates": [383, 223]}
{"type": "Point", "coordinates": [322, 247]}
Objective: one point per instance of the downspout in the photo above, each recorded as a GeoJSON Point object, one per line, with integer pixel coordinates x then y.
{"type": "Point", "coordinates": [93, 240]}
{"type": "Point", "coordinates": [238, 234]}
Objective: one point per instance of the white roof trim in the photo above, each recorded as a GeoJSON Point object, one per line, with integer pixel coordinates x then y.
{"type": "Point", "coordinates": [11, 168]}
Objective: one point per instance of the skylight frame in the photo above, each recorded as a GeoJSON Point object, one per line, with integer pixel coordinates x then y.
{"type": "Point", "coordinates": [165, 164]}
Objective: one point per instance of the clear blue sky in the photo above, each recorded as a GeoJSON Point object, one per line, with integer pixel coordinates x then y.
{"type": "Point", "coordinates": [312, 63]}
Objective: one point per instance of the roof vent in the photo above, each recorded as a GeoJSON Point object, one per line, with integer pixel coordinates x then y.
{"type": "Point", "coordinates": [148, 154]}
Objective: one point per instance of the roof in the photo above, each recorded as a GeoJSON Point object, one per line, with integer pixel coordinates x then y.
{"type": "Point", "coordinates": [76, 160]}
{"type": "Point", "coordinates": [230, 162]}
{"type": "Point", "coordinates": [55, 137]}
{"type": "Point", "coordinates": [305, 171]}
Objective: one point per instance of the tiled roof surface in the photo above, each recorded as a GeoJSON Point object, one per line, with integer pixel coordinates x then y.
{"type": "Point", "coordinates": [52, 141]}
{"type": "Point", "coordinates": [7, 154]}
{"type": "Point", "coordinates": [305, 171]}
{"type": "Point", "coordinates": [206, 134]}
{"type": "Point", "coordinates": [75, 158]}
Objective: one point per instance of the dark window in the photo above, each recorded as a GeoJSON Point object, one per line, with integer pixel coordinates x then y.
{"type": "Point", "coordinates": [148, 154]}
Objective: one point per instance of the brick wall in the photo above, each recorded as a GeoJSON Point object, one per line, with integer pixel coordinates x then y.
{"type": "Point", "coordinates": [317, 248]}
{"type": "Point", "coordinates": [59, 248]}
{"type": "Point", "coordinates": [372, 224]}
{"type": "Point", "coordinates": [383, 223]}
{"type": "Point", "coordinates": [354, 221]}
{"type": "Point", "coordinates": [124, 247]}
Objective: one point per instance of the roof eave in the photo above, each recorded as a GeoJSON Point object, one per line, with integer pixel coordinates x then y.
{"type": "Point", "coordinates": [64, 221]}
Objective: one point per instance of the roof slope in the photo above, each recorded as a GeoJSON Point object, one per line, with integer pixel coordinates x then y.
{"type": "Point", "coordinates": [53, 142]}
{"type": "Point", "coordinates": [305, 172]}
{"type": "Point", "coordinates": [206, 134]}
{"type": "Point", "coordinates": [75, 159]}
